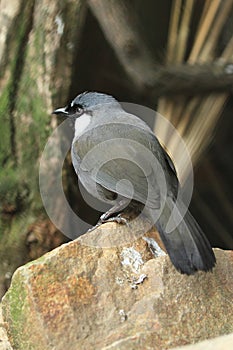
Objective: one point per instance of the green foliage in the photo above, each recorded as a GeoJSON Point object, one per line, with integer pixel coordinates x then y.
{"type": "Point", "coordinates": [22, 104]}
{"type": "Point", "coordinates": [5, 147]}
{"type": "Point", "coordinates": [13, 189]}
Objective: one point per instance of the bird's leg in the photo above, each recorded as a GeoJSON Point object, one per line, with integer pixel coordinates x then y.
{"type": "Point", "coordinates": [119, 219]}
{"type": "Point", "coordinates": [118, 207]}
{"type": "Point", "coordinates": [106, 217]}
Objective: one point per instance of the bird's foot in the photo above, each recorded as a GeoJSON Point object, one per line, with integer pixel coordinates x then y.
{"type": "Point", "coordinates": [118, 219]}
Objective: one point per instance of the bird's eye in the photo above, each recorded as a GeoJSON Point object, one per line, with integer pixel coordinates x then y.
{"type": "Point", "coordinates": [74, 109]}
{"type": "Point", "coordinates": [79, 108]}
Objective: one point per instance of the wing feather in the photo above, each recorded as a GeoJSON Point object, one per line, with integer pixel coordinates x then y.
{"type": "Point", "coordinates": [121, 153]}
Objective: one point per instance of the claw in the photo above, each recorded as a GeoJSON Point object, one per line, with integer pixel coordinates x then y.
{"type": "Point", "coordinates": [118, 219]}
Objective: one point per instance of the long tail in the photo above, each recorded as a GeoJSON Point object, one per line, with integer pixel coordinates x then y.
{"type": "Point", "coordinates": [187, 246]}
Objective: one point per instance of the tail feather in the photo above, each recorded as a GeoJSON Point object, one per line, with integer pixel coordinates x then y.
{"type": "Point", "coordinates": [187, 246]}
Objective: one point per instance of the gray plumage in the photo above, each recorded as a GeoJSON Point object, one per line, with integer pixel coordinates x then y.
{"type": "Point", "coordinates": [122, 146]}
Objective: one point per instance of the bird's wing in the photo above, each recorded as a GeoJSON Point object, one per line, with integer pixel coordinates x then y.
{"type": "Point", "coordinates": [125, 160]}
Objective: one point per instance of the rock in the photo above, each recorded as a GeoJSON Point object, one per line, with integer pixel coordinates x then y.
{"type": "Point", "coordinates": [4, 342]}
{"type": "Point", "coordinates": [106, 290]}
{"type": "Point", "coordinates": [221, 343]}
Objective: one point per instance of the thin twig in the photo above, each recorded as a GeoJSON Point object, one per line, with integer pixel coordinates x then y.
{"type": "Point", "coordinates": [205, 10]}
{"type": "Point", "coordinates": [173, 30]}
{"type": "Point", "coordinates": [213, 36]}
{"type": "Point", "coordinates": [184, 31]}
{"type": "Point", "coordinates": [228, 52]}
{"type": "Point", "coordinates": [204, 30]}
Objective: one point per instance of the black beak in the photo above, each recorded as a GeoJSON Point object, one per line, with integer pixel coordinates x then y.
{"type": "Point", "coordinates": [60, 111]}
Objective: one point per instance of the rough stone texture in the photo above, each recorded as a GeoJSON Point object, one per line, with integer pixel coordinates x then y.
{"type": "Point", "coordinates": [4, 342]}
{"type": "Point", "coordinates": [84, 296]}
{"type": "Point", "coordinates": [224, 342]}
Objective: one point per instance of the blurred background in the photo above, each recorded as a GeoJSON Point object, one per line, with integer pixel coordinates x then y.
{"type": "Point", "coordinates": [175, 56]}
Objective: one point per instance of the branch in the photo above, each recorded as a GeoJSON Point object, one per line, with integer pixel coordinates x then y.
{"type": "Point", "coordinates": [119, 25]}
{"type": "Point", "coordinates": [120, 28]}
{"type": "Point", "coordinates": [192, 79]}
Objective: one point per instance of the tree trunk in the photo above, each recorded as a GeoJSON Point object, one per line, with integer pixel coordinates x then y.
{"type": "Point", "coordinates": [38, 43]}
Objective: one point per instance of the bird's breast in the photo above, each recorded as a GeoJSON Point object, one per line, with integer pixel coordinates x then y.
{"type": "Point", "coordinates": [81, 124]}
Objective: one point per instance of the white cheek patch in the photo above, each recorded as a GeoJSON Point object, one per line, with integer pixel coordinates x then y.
{"type": "Point", "coordinates": [81, 124]}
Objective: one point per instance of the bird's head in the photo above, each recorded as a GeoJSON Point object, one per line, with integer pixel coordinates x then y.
{"type": "Point", "coordinates": [86, 102]}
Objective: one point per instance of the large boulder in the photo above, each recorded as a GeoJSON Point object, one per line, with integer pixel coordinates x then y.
{"type": "Point", "coordinates": [107, 290]}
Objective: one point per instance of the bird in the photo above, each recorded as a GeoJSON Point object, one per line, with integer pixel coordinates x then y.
{"type": "Point", "coordinates": [119, 160]}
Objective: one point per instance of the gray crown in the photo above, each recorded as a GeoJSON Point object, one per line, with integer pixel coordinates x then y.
{"type": "Point", "coordinates": [91, 99]}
